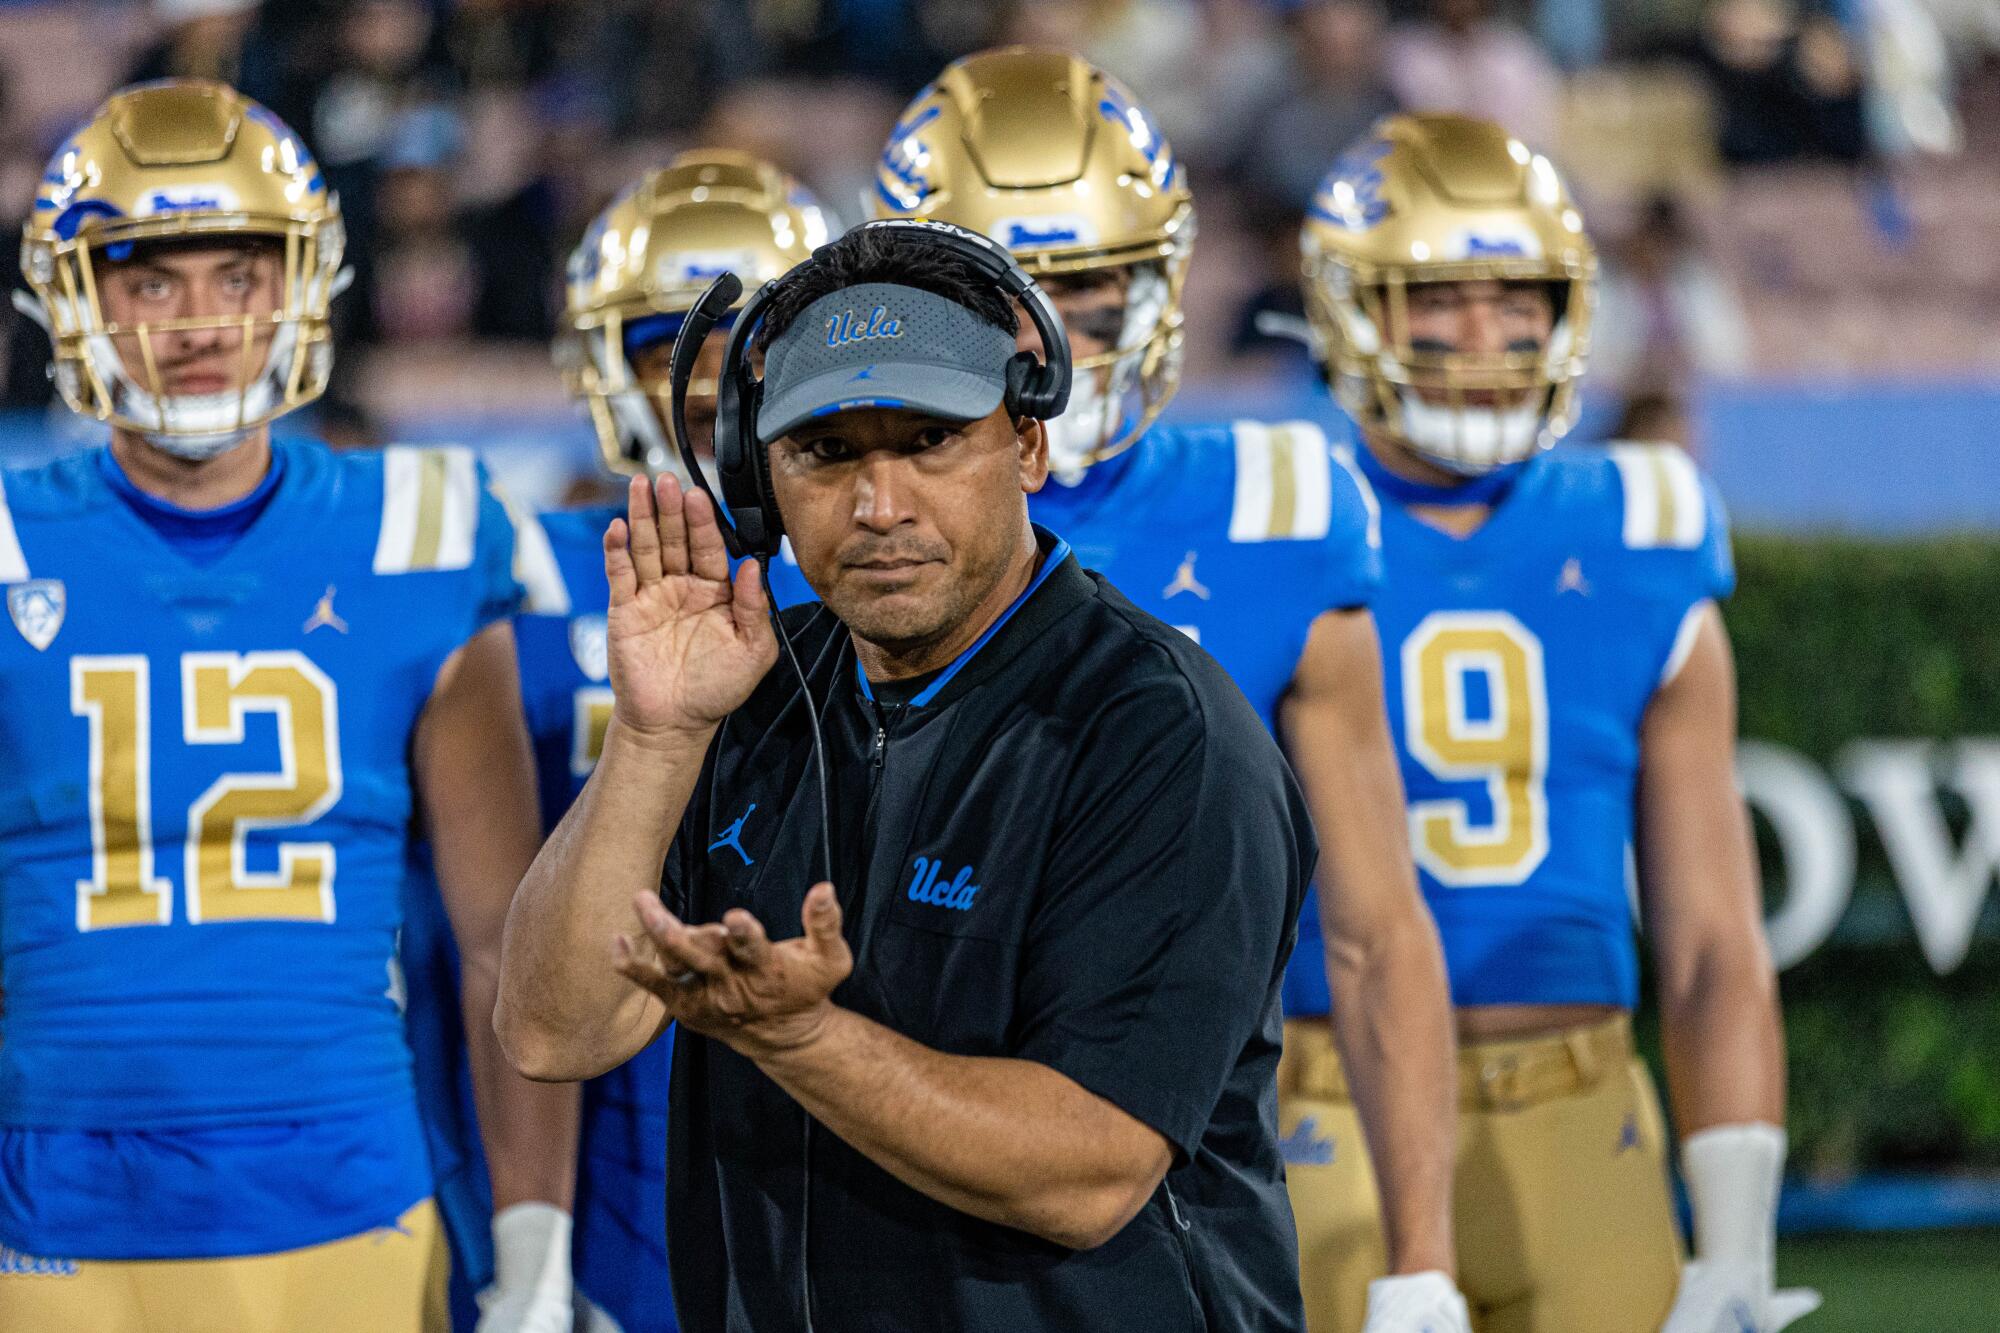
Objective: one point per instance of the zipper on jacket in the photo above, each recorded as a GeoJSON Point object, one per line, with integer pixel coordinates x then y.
{"type": "Point", "coordinates": [805, 1227]}
{"type": "Point", "coordinates": [878, 753]}
{"type": "Point", "coordinates": [885, 718]}
{"type": "Point", "coordinates": [1182, 1230]}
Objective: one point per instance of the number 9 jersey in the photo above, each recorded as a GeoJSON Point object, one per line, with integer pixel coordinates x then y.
{"type": "Point", "coordinates": [1518, 664]}
{"type": "Point", "coordinates": [203, 825]}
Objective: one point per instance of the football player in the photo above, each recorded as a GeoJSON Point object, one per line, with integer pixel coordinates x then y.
{"type": "Point", "coordinates": [1560, 689]}
{"type": "Point", "coordinates": [638, 270]}
{"type": "Point", "coordinates": [237, 668]}
{"type": "Point", "coordinates": [1257, 540]}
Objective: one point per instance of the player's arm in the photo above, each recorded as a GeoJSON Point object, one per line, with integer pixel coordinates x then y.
{"type": "Point", "coordinates": [1699, 893]}
{"type": "Point", "coordinates": [1385, 969]}
{"type": "Point", "coordinates": [476, 775]}
{"type": "Point", "coordinates": [1718, 992]}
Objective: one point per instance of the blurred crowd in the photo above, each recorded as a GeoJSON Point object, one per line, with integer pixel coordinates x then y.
{"type": "Point", "coordinates": [1720, 147]}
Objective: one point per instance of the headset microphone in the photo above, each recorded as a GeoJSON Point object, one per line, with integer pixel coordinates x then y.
{"type": "Point", "coordinates": [709, 311]}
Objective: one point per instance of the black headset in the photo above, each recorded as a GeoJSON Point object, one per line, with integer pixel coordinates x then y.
{"type": "Point", "coordinates": [1037, 387]}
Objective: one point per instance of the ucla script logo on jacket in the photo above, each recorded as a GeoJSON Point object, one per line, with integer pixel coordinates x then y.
{"type": "Point", "coordinates": [928, 885]}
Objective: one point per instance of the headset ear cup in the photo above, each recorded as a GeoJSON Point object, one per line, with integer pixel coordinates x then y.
{"type": "Point", "coordinates": [1031, 387]}
{"type": "Point", "coordinates": [728, 412]}
{"type": "Point", "coordinates": [1023, 385]}
{"type": "Point", "coordinates": [746, 486]}
{"type": "Point", "coordinates": [773, 521]}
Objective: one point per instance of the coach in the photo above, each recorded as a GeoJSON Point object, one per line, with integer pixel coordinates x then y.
{"type": "Point", "coordinates": [1016, 1072]}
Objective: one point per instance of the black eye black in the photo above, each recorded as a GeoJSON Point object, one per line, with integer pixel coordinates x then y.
{"type": "Point", "coordinates": [1104, 324]}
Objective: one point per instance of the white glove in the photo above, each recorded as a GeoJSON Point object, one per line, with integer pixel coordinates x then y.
{"type": "Point", "coordinates": [531, 1291]}
{"type": "Point", "coordinates": [1416, 1303]}
{"type": "Point", "coordinates": [594, 1318]}
{"type": "Point", "coordinates": [1734, 1298]}
{"type": "Point", "coordinates": [1732, 1174]}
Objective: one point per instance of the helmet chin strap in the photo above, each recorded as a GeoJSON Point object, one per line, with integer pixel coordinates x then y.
{"type": "Point", "coordinates": [1488, 488]}
{"type": "Point", "coordinates": [1470, 441]}
{"type": "Point", "coordinates": [1079, 433]}
{"type": "Point", "coordinates": [196, 448]}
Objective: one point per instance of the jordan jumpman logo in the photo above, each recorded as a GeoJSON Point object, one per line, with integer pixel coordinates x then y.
{"type": "Point", "coordinates": [1185, 581]}
{"type": "Point", "coordinates": [323, 614]}
{"type": "Point", "coordinates": [732, 837]}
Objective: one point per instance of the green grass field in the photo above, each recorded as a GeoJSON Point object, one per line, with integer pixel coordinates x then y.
{"type": "Point", "coordinates": [1916, 1282]}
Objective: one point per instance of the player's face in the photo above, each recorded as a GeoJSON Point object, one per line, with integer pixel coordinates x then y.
{"type": "Point", "coordinates": [212, 298]}
{"type": "Point", "coordinates": [1481, 321]}
{"type": "Point", "coordinates": [652, 365]}
{"type": "Point", "coordinates": [1092, 306]}
{"type": "Point", "coordinates": [905, 523]}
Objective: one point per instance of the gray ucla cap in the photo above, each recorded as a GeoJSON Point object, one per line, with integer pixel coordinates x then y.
{"type": "Point", "coordinates": [880, 344]}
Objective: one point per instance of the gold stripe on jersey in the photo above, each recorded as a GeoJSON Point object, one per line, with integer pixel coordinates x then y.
{"type": "Point", "coordinates": [430, 509]}
{"type": "Point", "coordinates": [1284, 482]}
{"type": "Point", "coordinates": [13, 564]}
{"type": "Point", "coordinates": [1664, 505]}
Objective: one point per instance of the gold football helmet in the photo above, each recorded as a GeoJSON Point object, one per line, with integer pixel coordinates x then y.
{"type": "Point", "coordinates": [1437, 198]}
{"type": "Point", "coordinates": [1054, 159]}
{"type": "Point", "coordinates": [182, 160]}
{"type": "Point", "coordinates": [649, 256]}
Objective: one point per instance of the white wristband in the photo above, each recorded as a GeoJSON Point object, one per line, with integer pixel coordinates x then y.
{"type": "Point", "coordinates": [531, 1247]}
{"type": "Point", "coordinates": [1732, 1174]}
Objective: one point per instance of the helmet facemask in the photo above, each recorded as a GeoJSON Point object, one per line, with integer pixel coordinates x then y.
{"type": "Point", "coordinates": [628, 409]}
{"type": "Point", "coordinates": [1419, 397]}
{"type": "Point", "coordinates": [115, 370]}
{"type": "Point", "coordinates": [1116, 394]}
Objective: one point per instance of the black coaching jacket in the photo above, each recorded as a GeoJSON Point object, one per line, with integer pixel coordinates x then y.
{"type": "Point", "coordinates": [1078, 845]}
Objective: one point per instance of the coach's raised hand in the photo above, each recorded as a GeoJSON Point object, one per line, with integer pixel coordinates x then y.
{"type": "Point", "coordinates": [686, 644]}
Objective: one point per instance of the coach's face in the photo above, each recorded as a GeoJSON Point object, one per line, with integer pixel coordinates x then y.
{"type": "Point", "coordinates": [903, 523]}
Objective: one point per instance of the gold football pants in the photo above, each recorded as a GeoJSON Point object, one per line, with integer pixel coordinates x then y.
{"type": "Point", "coordinates": [389, 1280]}
{"type": "Point", "coordinates": [1561, 1213]}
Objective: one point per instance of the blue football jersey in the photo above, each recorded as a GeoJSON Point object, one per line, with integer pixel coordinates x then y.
{"type": "Point", "coordinates": [1518, 663]}
{"type": "Point", "coordinates": [1239, 536]}
{"type": "Point", "coordinates": [202, 838]}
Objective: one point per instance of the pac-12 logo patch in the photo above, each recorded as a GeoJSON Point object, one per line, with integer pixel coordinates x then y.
{"type": "Point", "coordinates": [36, 608]}
{"type": "Point", "coordinates": [588, 644]}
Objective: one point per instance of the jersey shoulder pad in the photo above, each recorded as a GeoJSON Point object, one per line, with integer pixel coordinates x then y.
{"type": "Point", "coordinates": [1283, 482]}
{"type": "Point", "coordinates": [1654, 507]}
{"type": "Point", "coordinates": [1665, 503]}
{"type": "Point", "coordinates": [544, 591]}
{"type": "Point", "coordinates": [430, 509]}
{"type": "Point", "coordinates": [47, 496]}
{"type": "Point", "coordinates": [573, 543]}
